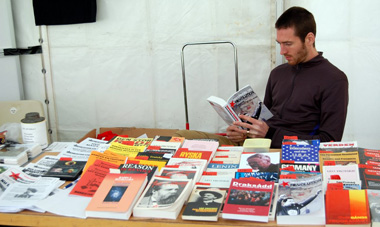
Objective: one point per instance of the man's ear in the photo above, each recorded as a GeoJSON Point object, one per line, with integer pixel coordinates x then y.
{"type": "Point", "coordinates": [310, 39]}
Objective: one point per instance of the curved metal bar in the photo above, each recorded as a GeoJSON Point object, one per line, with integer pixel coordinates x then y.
{"type": "Point", "coordinates": [183, 70]}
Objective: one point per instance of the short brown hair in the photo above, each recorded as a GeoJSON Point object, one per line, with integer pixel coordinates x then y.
{"type": "Point", "coordinates": [298, 18]}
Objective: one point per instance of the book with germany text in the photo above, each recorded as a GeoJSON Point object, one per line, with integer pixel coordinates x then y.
{"type": "Point", "coordinates": [116, 196]}
{"type": "Point", "coordinates": [245, 102]}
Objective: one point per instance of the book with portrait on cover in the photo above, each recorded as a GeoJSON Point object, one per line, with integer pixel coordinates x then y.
{"type": "Point", "coordinates": [245, 102]}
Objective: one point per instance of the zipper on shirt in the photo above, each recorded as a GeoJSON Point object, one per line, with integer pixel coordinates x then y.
{"type": "Point", "coordinates": [298, 68]}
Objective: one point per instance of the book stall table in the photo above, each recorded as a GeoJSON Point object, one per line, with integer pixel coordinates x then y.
{"type": "Point", "coordinates": [31, 218]}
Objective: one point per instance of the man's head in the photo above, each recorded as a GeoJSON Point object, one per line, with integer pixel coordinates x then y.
{"type": "Point", "coordinates": [210, 196]}
{"type": "Point", "coordinates": [259, 162]}
{"type": "Point", "coordinates": [165, 193]}
{"type": "Point", "coordinates": [296, 32]}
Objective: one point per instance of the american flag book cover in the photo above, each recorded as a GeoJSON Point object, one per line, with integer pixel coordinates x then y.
{"type": "Point", "coordinates": [300, 151]}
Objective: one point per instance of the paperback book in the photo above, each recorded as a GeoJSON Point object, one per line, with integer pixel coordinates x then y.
{"type": "Point", "coordinates": [204, 205]}
{"type": "Point", "coordinates": [163, 198]}
{"type": "Point", "coordinates": [374, 205]}
{"type": "Point", "coordinates": [66, 169]}
{"type": "Point", "coordinates": [116, 196]}
{"type": "Point", "coordinates": [301, 201]}
{"type": "Point", "coordinates": [300, 151]}
{"type": "Point", "coordinates": [243, 102]}
{"type": "Point", "coordinates": [347, 207]}
{"type": "Point", "coordinates": [248, 199]}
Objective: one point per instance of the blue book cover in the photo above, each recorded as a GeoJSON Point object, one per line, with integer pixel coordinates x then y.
{"type": "Point", "coordinates": [267, 176]}
{"type": "Point", "coordinates": [300, 151]}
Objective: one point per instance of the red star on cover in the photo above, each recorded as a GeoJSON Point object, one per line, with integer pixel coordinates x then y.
{"type": "Point", "coordinates": [284, 183]}
{"type": "Point", "coordinates": [16, 176]}
{"type": "Point", "coordinates": [232, 104]}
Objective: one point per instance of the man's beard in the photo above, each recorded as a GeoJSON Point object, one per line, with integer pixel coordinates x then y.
{"type": "Point", "coordinates": [300, 56]}
{"type": "Point", "coordinates": [171, 199]}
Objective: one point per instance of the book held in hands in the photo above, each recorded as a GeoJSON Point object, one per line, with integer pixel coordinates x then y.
{"type": "Point", "coordinates": [245, 102]}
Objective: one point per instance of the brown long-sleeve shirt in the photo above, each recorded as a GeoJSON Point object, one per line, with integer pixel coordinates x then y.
{"type": "Point", "coordinates": [308, 100]}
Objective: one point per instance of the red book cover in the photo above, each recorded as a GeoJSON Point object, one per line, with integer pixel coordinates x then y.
{"type": "Point", "coordinates": [185, 153]}
{"type": "Point", "coordinates": [347, 207]}
{"type": "Point", "coordinates": [248, 199]}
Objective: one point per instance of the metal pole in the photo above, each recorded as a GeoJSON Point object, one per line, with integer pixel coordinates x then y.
{"type": "Point", "coordinates": [183, 70]}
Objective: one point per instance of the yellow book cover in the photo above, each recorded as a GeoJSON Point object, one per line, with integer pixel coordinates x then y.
{"type": "Point", "coordinates": [132, 141]}
{"type": "Point", "coordinates": [338, 158]}
{"type": "Point", "coordinates": [126, 150]}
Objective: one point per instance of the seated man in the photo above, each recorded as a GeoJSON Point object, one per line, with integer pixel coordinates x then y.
{"type": "Point", "coordinates": [308, 96]}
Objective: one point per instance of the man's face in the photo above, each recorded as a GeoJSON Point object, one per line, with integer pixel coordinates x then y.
{"type": "Point", "coordinates": [293, 49]}
{"type": "Point", "coordinates": [166, 194]}
{"type": "Point", "coordinates": [208, 197]}
{"type": "Point", "coordinates": [258, 163]}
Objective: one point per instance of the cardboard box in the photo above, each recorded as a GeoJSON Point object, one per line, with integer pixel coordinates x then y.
{"type": "Point", "coordinates": [131, 132]}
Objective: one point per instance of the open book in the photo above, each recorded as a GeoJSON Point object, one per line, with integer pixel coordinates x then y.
{"type": "Point", "coordinates": [245, 101]}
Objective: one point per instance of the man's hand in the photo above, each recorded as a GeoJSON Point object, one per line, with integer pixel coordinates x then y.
{"type": "Point", "coordinates": [257, 128]}
{"type": "Point", "coordinates": [235, 134]}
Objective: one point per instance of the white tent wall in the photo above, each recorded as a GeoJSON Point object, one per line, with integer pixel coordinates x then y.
{"type": "Point", "coordinates": [125, 69]}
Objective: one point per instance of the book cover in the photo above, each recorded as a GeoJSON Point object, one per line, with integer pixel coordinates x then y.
{"type": "Point", "coordinates": [169, 139]}
{"type": "Point", "coordinates": [163, 198]}
{"type": "Point", "coordinates": [370, 177]}
{"type": "Point", "coordinates": [165, 146]}
{"type": "Point", "coordinates": [188, 163]}
{"type": "Point", "coordinates": [13, 155]}
{"type": "Point", "coordinates": [66, 169]}
{"type": "Point", "coordinates": [348, 173]}
{"type": "Point", "coordinates": [301, 201]}
{"type": "Point", "coordinates": [193, 154]}
{"type": "Point", "coordinates": [348, 207]}
{"type": "Point", "coordinates": [153, 156]}
{"type": "Point", "coordinates": [201, 145]}
{"type": "Point", "coordinates": [267, 176]}
{"type": "Point", "coordinates": [150, 170]}
{"type": "Point", "coordinates": [300, 151]}
{"type": "Point", "coordinates": [249, 200]}
{"type": "Point", "coordinates": [339, 146]}
{"type": "Point", "coordinates": [125, 149]}
{"type": "Point", "coordinates": [180, 173]}
{"type": "Point", "coordinates": [244, 102]}
{"type": "Point", "coordinates": [90, 181]}
{"type": "Point", "coordinates": [261, 162]}
{"type": "Point", "coordinates": [222, 167]}
{"type": "Point", "coordinates": [374, 205]}
{"type": "Point", "coordinates": [131, 141]}
{"type": "Point", "coordinates": [302, 167]}
{"type": "Point", "coordinates": [204, 205]}
{"type": "Point", "coordinates": [215, 181]}
{"type": "Point", "coordinates": [107, 156]}
{"type": "Point", "coordinates": [273, 203]}
{"type": "Point", "coordinates": [116, 196]}
{"type": "Point", "coordinates": [340, 158]}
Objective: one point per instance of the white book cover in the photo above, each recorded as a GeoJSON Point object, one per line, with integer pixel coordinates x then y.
{"type": "Point", "coordinates": [301, 201]}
